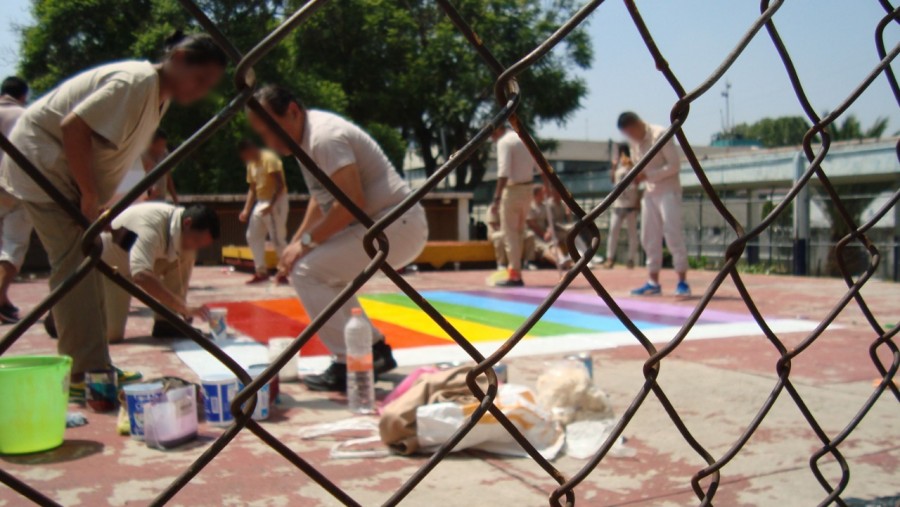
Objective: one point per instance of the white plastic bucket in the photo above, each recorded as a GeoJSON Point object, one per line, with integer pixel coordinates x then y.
{"type": "Point", "coordinates": [136, 397]}
{"type": "Point", "coordinates": [218, 391]}
{"type": "Point", "coordinates": [276, 347]}
{"type": "Point", "coordinates": [261, 412]}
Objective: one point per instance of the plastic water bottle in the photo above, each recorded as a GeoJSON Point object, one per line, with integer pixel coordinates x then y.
{"type": "Point", "coordinates": [360, 375]}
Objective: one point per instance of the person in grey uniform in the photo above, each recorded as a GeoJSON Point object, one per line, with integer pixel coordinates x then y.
{"type": "Point", "coordinates": [14, 222]}
{"type": "Point", "coordinates": [326, 252]}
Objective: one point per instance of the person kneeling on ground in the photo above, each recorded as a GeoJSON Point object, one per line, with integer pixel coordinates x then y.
{"type": "Point", "coordinates": [327, 253]}
{"type": "Point", "coordinates": [160, 261]}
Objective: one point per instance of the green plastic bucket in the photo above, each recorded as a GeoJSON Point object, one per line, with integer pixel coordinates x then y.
{"type": "Point", "coordinates": [34, 395]}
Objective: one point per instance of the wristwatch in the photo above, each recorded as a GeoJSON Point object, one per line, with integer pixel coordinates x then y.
{"type": "Point", "coordinates": [307, 241]}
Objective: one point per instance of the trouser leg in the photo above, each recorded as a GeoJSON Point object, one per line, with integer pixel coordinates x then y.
{"type": "Point", "coordinates": [652, 233]}
{"type": "Point", "coordinates": [256, 238]}
{"type": "Point", "coordinates": [631, 225]}
{"type": "Point", "coordinates": [514, 205]}
{"type": "Point", "coordinates": [612, 242]}
{"type": "Point", "coordinates": [673, 229]}
{"type": "Point", "coordinates": [116, 300]}
{"type": "Point", "coordinates": [80, 315]}
{"type": "Point", "coordinates": [327, 269]}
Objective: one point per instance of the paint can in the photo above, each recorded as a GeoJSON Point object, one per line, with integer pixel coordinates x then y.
{"type": "Point", "coordinates": [136, 397]}
{"type": "Point", "coordinates": [585, 359]}
{"type": "Point", "coordinates": [502, 372]}
{"type": "Point", "coordinates": [218, 391]}
{"type": "Point", "coordinates": [276, 347]}
{"type": "Point", "coordinates": [100, 389]}
{"type": "Point", "coordinates": [218, 323]}
{"type": "Point", "coordinates": [261, 412]}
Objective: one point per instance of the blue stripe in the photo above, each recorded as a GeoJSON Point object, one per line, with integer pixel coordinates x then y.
{"type": "Point", "coordinates": [559, 316]}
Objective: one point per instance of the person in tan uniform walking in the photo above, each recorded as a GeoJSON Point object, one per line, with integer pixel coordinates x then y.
{"type": "Point", "coordinates": [512, 199]}
{"type": "Point", "coordinates": [266, 208]}
{"type": "Point", "coordinates": [84, 136]}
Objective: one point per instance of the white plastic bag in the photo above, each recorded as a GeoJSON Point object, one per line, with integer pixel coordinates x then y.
{"type": "Point", "coordinates": [367, 444]}
{"type": "Point", "coordinates": [437, 422]}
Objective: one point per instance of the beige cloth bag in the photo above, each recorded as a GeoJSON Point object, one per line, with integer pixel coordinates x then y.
{"type": "Point", "coordinates": [397, 426]}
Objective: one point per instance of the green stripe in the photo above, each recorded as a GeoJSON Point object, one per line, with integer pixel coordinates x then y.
{"type": "Point", "coordinates": [480, 316]}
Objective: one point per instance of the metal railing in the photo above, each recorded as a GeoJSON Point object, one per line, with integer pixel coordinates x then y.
{"type": "Point", "coordinates": [705, 482]}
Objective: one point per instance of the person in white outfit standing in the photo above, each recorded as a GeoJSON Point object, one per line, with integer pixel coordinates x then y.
{"type": "Point", "coordinates": [661, 213]}
{"type": "Point", "coordinates": [624, 211]}
{"type": "Point", "coordinates": [14, 222]}
{"type": "Point", "coordinates": [266, 208]}
{"type": "Point", "coordinates": [327, 252]}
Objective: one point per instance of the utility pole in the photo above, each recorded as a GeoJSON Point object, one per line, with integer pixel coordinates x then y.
{"type": "Point", "coordinates": [727, 121]}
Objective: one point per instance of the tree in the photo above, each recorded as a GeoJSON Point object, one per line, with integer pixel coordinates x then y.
{"type": "Point", "coordinates": [851, 129]}
{"type": "Point", "coordinates": [403, 65]}
{"type": "Point", "coordinates": [774, 132]}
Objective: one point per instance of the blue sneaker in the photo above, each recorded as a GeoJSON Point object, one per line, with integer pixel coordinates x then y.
{"type": "Point", "coordinates": [648, 289]}
{"type": "Point", "coordinates": [682, 289]}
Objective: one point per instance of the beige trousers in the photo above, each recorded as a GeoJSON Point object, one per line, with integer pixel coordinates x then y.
{"type": "Point", "coordinates": [531, 251]}
{"type": "Point", "coordinates": [628, 217]}
{"type": "Point", "coordinates": [79, 315]}
{"type": "Point", "coordinates": [514, 205]}
{"type": "Point", "coordinates": [273, 225]}
{"type": "Point", "coordinates": [327, 269]}
{"type": "Point", "coordinates": [175, 276]}
{"type": "Point", "coordinates": [661, 219]}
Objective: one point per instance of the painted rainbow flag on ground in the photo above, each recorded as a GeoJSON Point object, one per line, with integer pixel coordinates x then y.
{"type": "Point", "coordinates": [480, 315]}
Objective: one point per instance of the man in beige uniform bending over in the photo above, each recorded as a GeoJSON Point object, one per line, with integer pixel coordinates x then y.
{"type": "Point", "coordinates": [266, 208]}
{"type": "Point", "coordinates": [154, 245]}
{"type": "Point", "coordinates": [14, 222]}
{"type": "Point", "coordinates": [660, 205]}
{"type": "Point", "coordinates": [515, 174]}
{"type": "Point", "coordinates": [327, 253]}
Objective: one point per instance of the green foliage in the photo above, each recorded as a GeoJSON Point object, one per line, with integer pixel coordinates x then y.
{"type": "Point", "coordinates": [404, 65]}
{"type": "Point", "coordinates": [775, 132]}
{"type": "Point", "coordinates": [399, 69]}
{"type": "Point", "coordinates": [789, 130]}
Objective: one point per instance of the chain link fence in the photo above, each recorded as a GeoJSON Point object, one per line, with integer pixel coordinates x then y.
{"type": "Point", "coordinates": [704, 482]}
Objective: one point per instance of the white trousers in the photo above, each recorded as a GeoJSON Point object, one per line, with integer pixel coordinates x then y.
{"type": "Point", "coordinates": [327, 269]}
{"type": "Point", "coordinates": [15, 230]}
{"type": "Point", "coordinates": [661, 219]}
{"type": "Point", "coordinates": [273, 225]}
{"type": "Point", "coordinates": [628, 217]}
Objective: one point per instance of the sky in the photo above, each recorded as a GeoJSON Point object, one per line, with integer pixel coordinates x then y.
{"type": "Point", "coordinates": [831, 42]}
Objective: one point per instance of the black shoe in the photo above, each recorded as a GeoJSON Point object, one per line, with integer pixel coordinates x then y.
{"type": "Point", "coordinates": [510, 282]}
{"type": "Point", "coordinates": [165, 329]}
{"type": "Point", "coordinates": [332, 379]}
{"type": "Point", "coordinates": [9, 314]}
{"type": "Point", "coordinates": [382, 358]}
{"type": "Point", "coordinates": [50, 326]}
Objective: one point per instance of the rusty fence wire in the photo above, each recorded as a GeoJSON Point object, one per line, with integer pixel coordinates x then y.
{"type": "Point", "coordinates": [508, 97]}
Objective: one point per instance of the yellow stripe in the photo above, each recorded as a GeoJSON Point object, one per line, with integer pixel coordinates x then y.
{"type": "Point", "coordinates": [418, 321]}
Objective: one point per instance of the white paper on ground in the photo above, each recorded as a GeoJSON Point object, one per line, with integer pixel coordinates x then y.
{"type": "Point", "coordinates": [584, 438]}
{"type": "Point", "coordinates": [244, 351]}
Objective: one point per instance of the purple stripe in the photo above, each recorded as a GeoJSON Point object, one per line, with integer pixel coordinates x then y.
{"type": "Point", "coordinates": [596, 307]}
{"type": "Point", "coordinates": [631, 306]}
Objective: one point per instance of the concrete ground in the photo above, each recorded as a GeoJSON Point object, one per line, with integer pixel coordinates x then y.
{"type": "Point", "coordinates": [716, 385]}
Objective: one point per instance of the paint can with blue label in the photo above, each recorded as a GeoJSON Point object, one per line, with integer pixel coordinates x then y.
{"type": "Point", "coordinates": [585, 359]}
{"type": "Point", "coordinates": [136, 397]}
{"type": "Point", "coordinates": [218, 391]}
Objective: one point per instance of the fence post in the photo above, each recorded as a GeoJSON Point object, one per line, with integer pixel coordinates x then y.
{"type": "Point", "coordinates": [801, 220]}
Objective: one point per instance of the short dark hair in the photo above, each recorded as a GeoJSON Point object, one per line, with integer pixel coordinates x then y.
{"type": "Point", "coordinates": [160, 134]}
{"type": "Point", "coordinates": [198, 49]}
{"type": "Point", "coordinates": [246, 144]}
{"type": "Point", "coordinates": [15, 87]}
{"type": "Point", "coordinates": [627, 119]}
{"type": "Point", "coordinates": [203, 218]}
{"type": "Point", "coordinates": [277, 98]}
{"type": "Point", "coordinates": [624, 149]}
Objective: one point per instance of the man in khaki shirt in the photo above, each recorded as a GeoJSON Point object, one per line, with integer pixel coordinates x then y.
{"type": "Point", "coordinates": [661, 213]}
{"type": "Point", "coordinates": [266, 208]}
{"type": "Point", "coordinates": [515, 174]}
{"type": "Point", "coordinates": [154, 245]}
